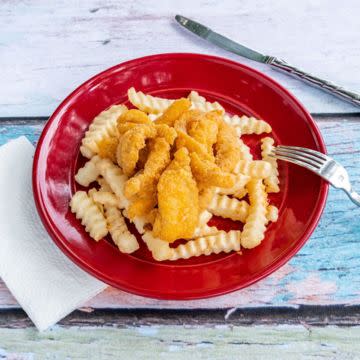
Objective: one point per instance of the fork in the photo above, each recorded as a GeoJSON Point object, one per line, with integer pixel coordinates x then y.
{"type": "Point", "coordinates": [320, 164]}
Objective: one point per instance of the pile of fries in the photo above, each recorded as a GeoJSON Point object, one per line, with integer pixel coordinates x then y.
{"type": "Point", "coordinates": [168, 166]}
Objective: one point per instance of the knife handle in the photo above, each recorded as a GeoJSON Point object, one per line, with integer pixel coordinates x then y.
{"type": "Point", "coordinates": [328, 86]}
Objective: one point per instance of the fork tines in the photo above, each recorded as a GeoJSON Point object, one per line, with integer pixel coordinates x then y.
{"type": "Point", "coordinates": [308, 158]}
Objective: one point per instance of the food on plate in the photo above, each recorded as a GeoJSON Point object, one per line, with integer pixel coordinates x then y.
{"type": "Point", "coordinates": [168, 166]}
{"type": "Point", "coordinates": [272, 180]}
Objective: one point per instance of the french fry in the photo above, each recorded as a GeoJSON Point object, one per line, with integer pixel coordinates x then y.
{"type": "Point", "coordinates": [115, 179]}
{"type": "Point", "coordinates": [119, 232]}
{"type": "Point", "coordinates": [226, 207]}
{"type": "Point", "coordinates": [148, 103]}
{"type": "Point", "coordinates": [255, 225]}
{"type": "Point", "coordinates": [103, 126]}
{"type": "Point", "coordinates": [88, 212]}
{"type": "Point", "coordinates": [272, 181]}
{"type": "Point", "coordinates": [200, 103]}
{"type": "Point", "coordinates": [248, 125]}
{"type": "Point", "coordinates": [88, 173]}
{"type": "Point", "coordinates": [221, 242]}
{"type": "Point", "coordinates": [256, 169]}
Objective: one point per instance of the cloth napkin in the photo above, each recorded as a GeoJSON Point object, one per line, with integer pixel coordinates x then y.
{"type": "Point", "coordinates": [43, 280]}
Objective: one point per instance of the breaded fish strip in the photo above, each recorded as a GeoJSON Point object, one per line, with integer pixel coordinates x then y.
{"type": "Point", "coordinates": [158, 159]}
{"type": "Point", "coordinates": [167, 132]}
{"type": "Point", "coordinates": [143, 202]}
{"type": "Point", "coordinates": [178, 200]}
{"type": "Point", "coordinates": [193, 146]}
{"type": "Point", "coordinates": [205, 129]}
{"type": "Point", "coordinates": [228, 148]}
{"type": "Point", "coordinates": [131, 143]}
{"type": "Point", "coordinates": [209, 174]}
{"type": "Point", "coordinates": [107, 147]}
{"type": "Point", "coordinates": [134, 116]}
{"type": "Point", "coordinates": [173, 112]}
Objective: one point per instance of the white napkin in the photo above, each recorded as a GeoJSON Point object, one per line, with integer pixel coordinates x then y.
{"type": "Point", "coordinates": [42, 279]}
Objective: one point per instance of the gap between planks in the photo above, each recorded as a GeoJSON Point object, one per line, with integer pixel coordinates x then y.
{"type": "Point", "coordinates": [332, 315]}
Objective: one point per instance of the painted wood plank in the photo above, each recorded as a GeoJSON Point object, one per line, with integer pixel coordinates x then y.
{"type": "Point", "coordinates": [181, 342]}
{"type": "Point", "coordinates": [47, 50]}
{"type": "Point", "coordinates": [323, 272]}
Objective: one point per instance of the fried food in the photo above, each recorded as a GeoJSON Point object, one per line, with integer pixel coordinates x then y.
{"type": "Point", "coordinates": [107, 148]}
{"type": "Point", "coordinates": [178, 200]}
{"type": "Point", "coordinates": [143, 203]}
{"type": "Point", "coordinates": [167, 132]}
{"type": "Point", "coordinates": [227, 148]}
{"type": "Point", "coordinates": [187, 118]}
{"type": "Point", "coordinates": [205, 130]}
{"type": "Point", "coordinates": [173, 112]}
{"type": "Point", "coordinates": [209, 174]}
{"type": "Point", "coordinates": [193, 146]}
{"type": "Point", "coordinates": [169, 166]}
{"type": "Point", "coordinates": [131, 143]}
{"type": "Point", "coordinates": [158, 159]}
{"type": "Point", "coordinates": [133, 116]}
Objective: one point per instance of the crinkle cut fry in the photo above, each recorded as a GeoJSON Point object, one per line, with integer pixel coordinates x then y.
{"type": "Point", "coordinates": [272, 181]}
{"type": "Point", "coordinates": [88, 173]}
{"type": "Point", "coordinates": [90, 215]}
{"type": "Point", "coordinates": [256, 169]}
{"type": "Point", "coordinates": [200, 103]}
{"type": "Point", "coordinates": [255, 225]}
{"type": "Point", "coordinates": [248, 125]}
{"type": "Point", "coordinates": [115, 179]}
{"type": "Point", "coordinates": [221, 242]}
{"type": "Point", "coordinates": [226, 207]}
{"type": "Point", "coordinates": [148, 103]}
{"type": "Point", "coordinates": [214, 244]}
{"type": "Point", "coordinates": [122, 237]}
{"type": "Point", "coordinates": [104, 125]}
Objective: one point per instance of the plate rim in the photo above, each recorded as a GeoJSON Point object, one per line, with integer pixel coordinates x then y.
{"type": "Point", "coordinates": [56, 235]}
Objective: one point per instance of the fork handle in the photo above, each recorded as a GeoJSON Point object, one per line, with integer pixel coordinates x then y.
{"type": "Point", "coordinates": [354, 196]}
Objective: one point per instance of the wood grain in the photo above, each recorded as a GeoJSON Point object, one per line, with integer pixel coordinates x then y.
{"type": "Point", "coordinates": [48, 49]}
{"type": "Point", "coordinates": [323, 272]}
{"type": "Point", "coordinates": [181, 342]}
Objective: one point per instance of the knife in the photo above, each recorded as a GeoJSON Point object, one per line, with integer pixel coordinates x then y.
{"type": "Point", "coordinates": [276, 63]}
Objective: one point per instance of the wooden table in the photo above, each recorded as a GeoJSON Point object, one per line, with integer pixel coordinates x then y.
{"type": "Point", "coordinates": [310, 308]}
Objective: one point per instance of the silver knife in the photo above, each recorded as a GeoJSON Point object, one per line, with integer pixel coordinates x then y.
{"type": "Point", "coordinates": [278, 64]}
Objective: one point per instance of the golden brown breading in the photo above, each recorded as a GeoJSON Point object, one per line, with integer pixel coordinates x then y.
{"type": "Point", "coordinates": [209, 174]}
{"type": "Point", "coordinates": [107, 148]}
{"type": "Point", "coordinates": [158, 159]}
{"type": "Point", "coordinates": [227, 148]}
{"type": "Point", "coordinates": [205, 129]}
{"type": "Point", "coordinates": [173, 112]}
{"type": "Point", "coordinates": [134, 116]}
{"type": "Point", "coordinates": [178, 200]}
{"type": "Point", "coordinates": [131, 143]}
{"type": "Point", "coordinates": [167, 132]}
{"type": "Point", "coordinates": [185, 140]}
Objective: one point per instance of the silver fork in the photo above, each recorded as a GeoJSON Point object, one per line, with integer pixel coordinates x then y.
{"type": "Point", "coordinates": [320, 164]}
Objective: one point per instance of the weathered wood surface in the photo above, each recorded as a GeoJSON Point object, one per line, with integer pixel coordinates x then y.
{"type": "Point", "coordinates": [48, 48]}
{"type": "Point", "coordinates": [325, 271]}
{"type": "Point", "coordinates": [182, 342]}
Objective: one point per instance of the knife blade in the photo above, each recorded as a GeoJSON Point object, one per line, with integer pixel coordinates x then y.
{"type": "Point", "coordinates": [219, 40]}
{"type": "Point", "coordinates": [278, 64]}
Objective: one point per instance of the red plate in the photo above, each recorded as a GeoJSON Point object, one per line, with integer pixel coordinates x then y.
{"type": "Point", "coordinates": [241, 90]}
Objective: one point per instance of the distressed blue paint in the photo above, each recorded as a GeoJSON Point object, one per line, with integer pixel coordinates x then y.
{"type": "Point", "coordinates": [333, 252]}
{"type": "Point", "coordinates": [9, 132]}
